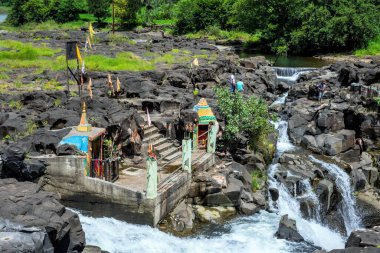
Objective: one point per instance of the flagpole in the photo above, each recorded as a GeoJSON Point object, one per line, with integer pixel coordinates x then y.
{"type": "Point", "coordinates": [113, 16]}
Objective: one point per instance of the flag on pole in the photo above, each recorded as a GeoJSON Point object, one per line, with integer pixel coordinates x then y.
{"type": "Point", "coordinates": [110, 85]}
{"type": "Point", "coordinates": [195, 63]}
{"type": "Point", "coordinates": [79, 57]}
{"type": "Point", "coordinates": [89, 42]}
{"type": "Point", "coordinates": [118, 85]}
{"type": "Point", "coordinates": [148, 117]}
{"type": "Point", "coordinates": [83, 68]}
{"type": "Point", "coordinates": [89, 88]}
{"type": "Point", "coordinates": [91, 31]}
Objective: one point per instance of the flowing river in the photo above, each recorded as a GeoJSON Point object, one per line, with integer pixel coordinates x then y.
{"type": "Point", "coordinates": [248, 234]}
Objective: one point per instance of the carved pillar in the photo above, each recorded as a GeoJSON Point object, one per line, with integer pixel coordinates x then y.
{"type": "Point", "coordinates": [186, 155]}
{"type": "Point", "coordinates": [211, 139]}
{"type": "Point", "coordinates": [151, 171]}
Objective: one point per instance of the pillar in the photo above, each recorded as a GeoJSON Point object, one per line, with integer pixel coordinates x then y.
{"type": "Point", "coordinates": [186, 155]}
{"type": "Point", "coordinates": [211, 139]}
{"type": "Point", "coordinates": [151, 172]}
{"type": "Point", "coordinates": [195, 137]}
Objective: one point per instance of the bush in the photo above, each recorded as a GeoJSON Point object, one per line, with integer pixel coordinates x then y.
{"type": "Point", "coordinates": [68, 10]}
{"type": "Point", "coordinates": [126, 10]}
{"type": "Point", "coordinates": [196, 15]}
{"type": "Point", "coordinates": [247, 116]}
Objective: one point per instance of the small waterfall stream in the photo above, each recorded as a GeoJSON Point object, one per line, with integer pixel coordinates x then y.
{"type": "Point", "coordinates": [343, 183]}
{"type": "Point", "coordinates": [290, 75]}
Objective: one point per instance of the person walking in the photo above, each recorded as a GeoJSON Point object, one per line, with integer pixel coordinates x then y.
{"type": "Point", "coordinates": [321, 91]}
{"type": "Point", "coordinates": [232, 82]}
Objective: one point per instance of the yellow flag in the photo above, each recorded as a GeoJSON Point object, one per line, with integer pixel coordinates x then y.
{"type": "Point", "coordinates": [110, 85]}
{"type": "Point", "coordinates": [89, 42]}
{"type": "Point", "coordinates": [91, 31]}
{"type": "Point", "coordinates": [78, 55]}
{"type": "Point", "coordinates": [89, 88]}
{"type": "Point", "coordinates": [118, 87]}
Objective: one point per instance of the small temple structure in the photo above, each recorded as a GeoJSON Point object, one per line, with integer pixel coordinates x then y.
{"type": "Point", "coordinates": [203, 126]}
{"type": "Point", "coordinates": [88, 140]}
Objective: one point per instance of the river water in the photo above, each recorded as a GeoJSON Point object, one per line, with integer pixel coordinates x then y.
{"type": "Point", "coordinates": [3, 17]}
{"type": "Point", "coordinates": [251, 234]}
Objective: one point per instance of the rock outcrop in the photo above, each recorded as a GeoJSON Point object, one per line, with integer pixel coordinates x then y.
{"type": "Point", "coordinates": [43, 222]}
{"type": "Point", "coordinates": [287, 229]}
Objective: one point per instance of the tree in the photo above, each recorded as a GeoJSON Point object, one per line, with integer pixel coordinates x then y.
{"type": "Point", "coordinates": [67, 10]}
{"type": "Point", "coordinates": [195, 15]}
{"type": "Point", "coordinates": [247, 116]}
{"type": "Point", "coordinates": [99, 8]}
{"type": "Point", "coordinates": [126, 10]}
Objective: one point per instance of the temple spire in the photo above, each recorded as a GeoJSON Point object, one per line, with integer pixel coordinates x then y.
{"type": "Point", "coordinates": [84, 126]}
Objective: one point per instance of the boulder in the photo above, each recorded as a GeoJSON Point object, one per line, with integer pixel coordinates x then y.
{"type": "Point", "coordinates": [371, 174]}
{"type": "Point", "coordinates": [359, 180]}
{"type": "Point", "coordinates": [248, 208]}
{"type": "Point", "coordinates": [364, 238]}
{"type": "Point", "coordinates": [274, 194]}
{"type": "Point", "coordinates": [182, 217]}
{"type": "Point", "coordinates": [218, 199]}
{"type": "Point", "coordinates": [213, 214]}
{"type": "Point", "coordinates": [331, 120]}
{"type": "Point", "coordinates": [324, 192]}
{"type": "Point", "coordinates": [25, 204]}
{"type": "Point", "coordinates": [347, 137]}
{"type": "Point", "coordinates": [333, 145]}
{"type": "Point", "coordinates": [288, 230]}
{"type": "Point", "coordinates": [234, 190]}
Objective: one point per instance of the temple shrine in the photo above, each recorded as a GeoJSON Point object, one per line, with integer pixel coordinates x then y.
{"type": "Point", "coordinates": [202, 128]}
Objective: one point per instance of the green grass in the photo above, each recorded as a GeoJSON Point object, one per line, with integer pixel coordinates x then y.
{"type": "Point", "coordinates": [123, 61]}
{"type": "Point", "coordinates": [214, 33]}
{"type": "Point", "coordinates": [164, 22]}
{"type": "Point", "coordinates": [373, 48]}
{"type": "Point", "coordinates": [119, 38]}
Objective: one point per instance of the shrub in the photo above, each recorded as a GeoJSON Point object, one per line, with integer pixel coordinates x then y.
{"type": "Point", "coordinates": [100, 8]}
{"type": "Point", "coordinates": [247, 116]}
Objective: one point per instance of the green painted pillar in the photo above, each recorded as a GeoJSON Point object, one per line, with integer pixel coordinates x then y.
{"type": "Point", "coordinates": [151, 182]}
{"type": "Point", "coordinates": [195, 137]}
{"type": "Point", "coordinates": [211, 139]}
{"type": "Point", "coordinates": [186, 155]}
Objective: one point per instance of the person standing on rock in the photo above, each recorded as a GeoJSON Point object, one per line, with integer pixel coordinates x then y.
{"type": "Point", "coordinates": [321, 91]}
{"type": "Point", "coordinates": [240, 86]}
{"type": "Point", "coordinates": [232, 82]}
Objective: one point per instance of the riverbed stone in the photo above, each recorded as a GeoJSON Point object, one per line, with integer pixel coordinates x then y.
{"type": "Point", "coordinates": [217, 199]}
{"type": "Point", "coordinates": [324, 192]}
{"type": "Point", "coordinates": [364, 238]}
{"type": "Point", "coordinates": [248, 208]}
{"type": "Point", "coordinates": [333, 145]}
{"type": "Point", "coordinates": [234, 190]}
{"type": "Point", "coordinates": [371, 174]}
{"type": "Point", "coordinates": [359, 180]}
{"type": "Point", "coordinates": [288, 230]}
{"type": "Point", "coordinates": [213, 214]}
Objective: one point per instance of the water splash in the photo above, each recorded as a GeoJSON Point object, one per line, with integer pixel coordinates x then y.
{"type": "Point", "coordinates": [247, 234]}
{"type": "Point", "coordinates": [290, 75]}
{"type": "Point", "coordinates": [343, 182]}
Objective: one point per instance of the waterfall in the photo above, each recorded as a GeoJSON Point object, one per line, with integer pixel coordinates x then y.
{"type": "Point", "coordinates": [311, 229]}
{"type": "Point", "coordinates": [343, 183]}
{"type": "Point", "coordinates": [290, 75]}
{"type": "Point", "coordinates": [310, 195]}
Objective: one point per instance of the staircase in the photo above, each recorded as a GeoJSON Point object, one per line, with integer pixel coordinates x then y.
{"type": "Point", "coordinates": [166, 149]}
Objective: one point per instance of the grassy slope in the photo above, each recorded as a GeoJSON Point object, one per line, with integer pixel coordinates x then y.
{"type": "Point", "coordinates": [373, 48]}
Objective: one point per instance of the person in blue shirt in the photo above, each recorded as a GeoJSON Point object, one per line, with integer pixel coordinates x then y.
{"type": "Point", "coordinates": [240, 86]}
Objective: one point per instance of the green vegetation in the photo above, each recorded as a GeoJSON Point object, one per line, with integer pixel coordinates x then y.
{"type": "Point", "coordinates": [373, 48]}
{"type": "Point", "coordinates": [215, 33]}
{"type": "Point", "coordinates": [285, 26]}
{"type": "Point", "coordinates": [99, 8]}
{"type": "Point", "coordinates": [15, 105]}
{"type": "Point", "coordinates": [26, 11]}
{"type": "Point", "coordinates": [247, 116]}
{"type": "Point", "coordinates": [258, 179]}
{"type": "Point", "coordinates": [118, 38]}
{"type": "Point", "coordinates": [122, 61]}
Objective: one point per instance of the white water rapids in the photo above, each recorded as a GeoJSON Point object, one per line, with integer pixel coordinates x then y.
{"type": "Point", "coordinates": [252, 234]}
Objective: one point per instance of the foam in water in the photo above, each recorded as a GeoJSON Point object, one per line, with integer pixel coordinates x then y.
{"type": "Point", "coordinates": [252, 234]}
{"type": "Point", "coordinates": [283, 142]}
{"type": "Point", "coordinates": [343, 182]}
{"type": "Point", "coordinates": [310, 195]}
{"type": "Point", "coordinates": [281, 100]}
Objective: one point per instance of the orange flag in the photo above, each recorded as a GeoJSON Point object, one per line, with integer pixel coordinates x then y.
{"type": "Point", "coordinates": [110, 85]}
{"type": "Point", "coordinates": [89, 88]}
{"type": "Point", "coordinates": [118, 85]}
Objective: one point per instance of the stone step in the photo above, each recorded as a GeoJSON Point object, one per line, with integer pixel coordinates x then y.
{"type": "Point", "coordinates": [164, 146]}
{"type": "Point", "coordinates": [146, 127]}
{"type": "Point", "coordinates": [159, 142]}
{"type": "Point", "coordinates": [176, 155]}
{"type": "Point", "coordinates": [152, 138]}
{"type": "Point", "coordinates": [169, 151]}
{"type": "Point", "coordinates": [150, 132]}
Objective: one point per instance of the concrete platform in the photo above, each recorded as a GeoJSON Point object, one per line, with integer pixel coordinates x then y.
{"type": "Point", "coordinates": [125, 199]}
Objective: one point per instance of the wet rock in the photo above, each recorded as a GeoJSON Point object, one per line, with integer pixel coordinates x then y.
{"type": "Point", "coordinates": [274, 194]}
{"type": "Point", "coordinates": [182, 217]}
{"type": "Point", "coordinates": [359, 180]}
{"type": "Point", "coordinates": [371, 174]}
{"type": "Point", "coordinates": [364, 238]}
{"type": "Point", "coordinates": [218, 199]}
{"type": "Point", "coordinates": [213, 214]}
{"type": "Point", "coordinates": [248, 208]}
{"type": "Point", "coordinates": [23, 203]}
{"type": "Point", "coordinates": [324, 192]}
{"type": "Point", "coordinates": [368, 206]}
{"type": "Point", "coordinates": [234, 190]}
{"type": "Point", "coordinates": [259, 198]}
{"type": "Point", "coordinates": [288, 230]}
